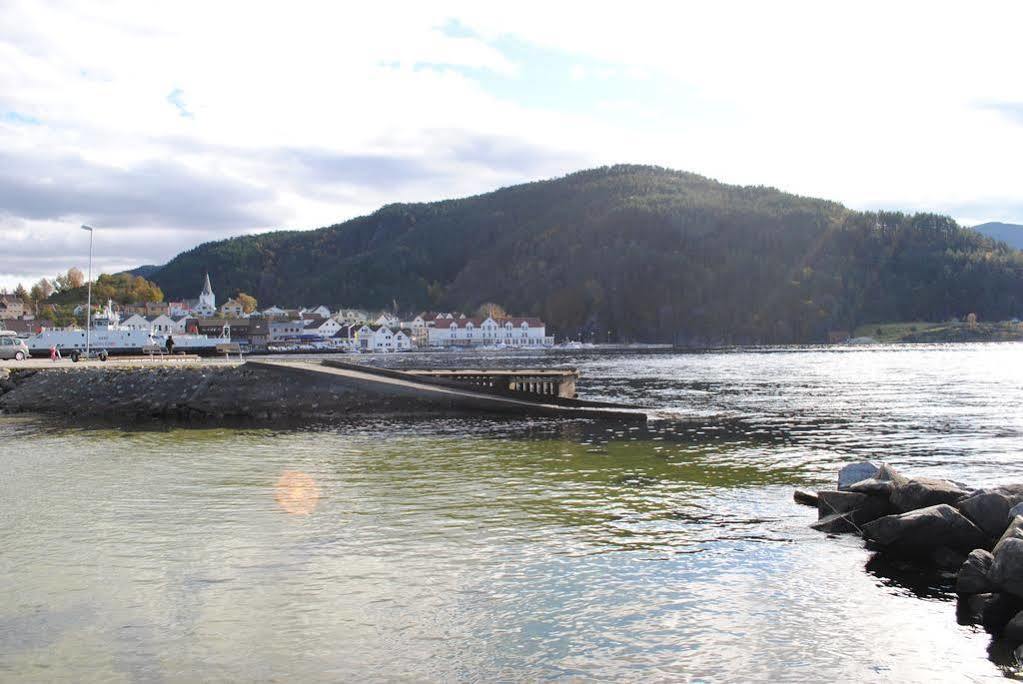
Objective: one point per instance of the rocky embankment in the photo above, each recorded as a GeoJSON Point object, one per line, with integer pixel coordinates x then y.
{"type": "Point", "coordinates": [977, 533]}
{"type": "Point", "coordinates": [192, 392]}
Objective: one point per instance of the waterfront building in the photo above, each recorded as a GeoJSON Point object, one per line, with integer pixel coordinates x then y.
{"type": "Point", "coordinates": [207, 306]}
{"type": "Point", "coordinates": [351, 316]}
{"type": "Point", "coordinates": [274, 312]}
{"type": "Point", "coordinates": [11, 307]}
{"type": "Point", "coordinates": [232, 308]}
{"type": "Point", "coordinates": [322, 327]}
{"type": "Point", "coordinates": [479, 332]}
{"type": "Point", "coordinates": [387, 319]}
{"type": "Point", "coordinates": [177, 309]}
{"type": "Point", "coordinates": [380, 338]}
{"type": "Point", "coordinates": [321, 311]}
{"type": "Point", "coordinates": [135, 322]}
{"type": "Point", "coordinates": [286, 329]}
{"type": "Point", "coordinates": [157, 308]}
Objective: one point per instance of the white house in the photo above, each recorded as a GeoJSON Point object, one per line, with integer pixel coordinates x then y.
{"type": "Point", "coordinates": [322, 327]}
{"type": "Point", "coordinates": [162, 324]}
{"type": "Point", "coordinates": [389, 320]}
{"type": "Point", "coordinates": [286, 330]}
{"type": "Point", "coordinates": [380, 338]}
{"type": "Point", "coordinates": [274, 312]}
{"type": "Point", "coordinates": [177, 309]}
{"type": "Point", "coordinates": [476, 332]}
{"type": "Point", "coordinates": [317, 311]}
{"type": "Point", "coordinates": [207, 306]}
{"type": "Point", "coordinates": [136, 322]}
{"type": "Point", "coordinates": [180, 326]}
{"type": "Point", "coordinates": [232, 308]}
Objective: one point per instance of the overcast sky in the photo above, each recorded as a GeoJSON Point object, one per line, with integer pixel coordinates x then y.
{"type": "Point", "coordinates": [170, 124]}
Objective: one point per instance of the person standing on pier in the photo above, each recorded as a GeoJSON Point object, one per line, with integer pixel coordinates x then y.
{"type": "Point", "coordinates": [170, 344]}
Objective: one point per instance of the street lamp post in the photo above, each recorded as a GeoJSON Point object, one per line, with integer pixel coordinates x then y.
{"type": "Point", "coordinates": [88, 302]}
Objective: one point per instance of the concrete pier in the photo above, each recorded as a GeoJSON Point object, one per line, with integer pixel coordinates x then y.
{"type": "Point", "coordinates": [269, 389]}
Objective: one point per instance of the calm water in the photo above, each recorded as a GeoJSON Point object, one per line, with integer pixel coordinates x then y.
{"type": "Point", "coordinates": [484, 550]}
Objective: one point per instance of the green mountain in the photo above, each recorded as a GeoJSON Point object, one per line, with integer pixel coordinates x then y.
{"type": "Point", "coordinates": [630, 253]}
{"type": "Point", "coordinates": [1009, 233]}
{"type": "Point", "coordinates": [144, 271]}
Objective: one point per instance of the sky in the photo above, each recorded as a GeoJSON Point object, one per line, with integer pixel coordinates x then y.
{"type": "Point", "coordinates": [169, 124]}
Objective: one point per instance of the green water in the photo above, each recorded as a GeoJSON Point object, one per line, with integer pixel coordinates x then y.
{"type": "Point", "coordinates": [481, 550]}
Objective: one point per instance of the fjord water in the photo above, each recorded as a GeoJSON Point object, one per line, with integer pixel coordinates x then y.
{"type": "Point", "coordinates": [479, 549]}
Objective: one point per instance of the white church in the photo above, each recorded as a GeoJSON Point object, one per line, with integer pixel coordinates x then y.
{"type": "Point", "coordinates": [207, 306]}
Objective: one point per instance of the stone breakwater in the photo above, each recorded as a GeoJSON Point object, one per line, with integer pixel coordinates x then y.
{"type": "Point", "coordinates": [975, 535]}
{"type": "Point", "coordinates": [192, 392]}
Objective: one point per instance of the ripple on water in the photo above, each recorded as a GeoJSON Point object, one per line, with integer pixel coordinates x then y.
{"type": "Point", "coordinates": [483, 549]}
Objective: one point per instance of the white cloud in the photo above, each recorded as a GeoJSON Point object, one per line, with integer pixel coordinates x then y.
{"type": "Point", "coordinates": [308, 113]}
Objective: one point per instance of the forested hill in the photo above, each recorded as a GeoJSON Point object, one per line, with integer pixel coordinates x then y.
{"type": "Point", "coordinates": [630, 253]}
{"type": "Point", "coordinates": [1009, 233]}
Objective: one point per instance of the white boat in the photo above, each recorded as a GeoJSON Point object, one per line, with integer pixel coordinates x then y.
{"type": "Point", "coordinates": [109, 336]}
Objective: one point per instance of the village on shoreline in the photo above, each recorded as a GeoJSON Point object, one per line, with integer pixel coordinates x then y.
{"type": "Point", "coordinates": [306, 329]}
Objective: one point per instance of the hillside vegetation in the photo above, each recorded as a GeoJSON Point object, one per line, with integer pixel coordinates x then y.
{"type": "Point", "coordinates": [630, 253]}
{"type": "Point", "coordinates": [1009, 233]}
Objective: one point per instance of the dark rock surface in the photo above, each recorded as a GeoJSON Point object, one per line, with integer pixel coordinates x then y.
{"type": "Point", "coordinates": [805, 498]}
{"type": "Point", "coordinates": [1007, 567]}
{"type": "Point", "coordinates": [988, 510]}
{"type": "Point", "coordinates": [973, 576]}
{"type": "Point", "coordinates": [888, 474]}
{"type": "Point", "coordinates": [1014, 628]}
{"type": "Point", "coordinates": [993, 610]}
{"type": "Point", "coordinates": [873, 487]}
{"type": "Point", "coordinates": [926, 529]}
{"type": "Point", "coordinates": [923, 492]}
{"type": "Point", "coordinates": [829, 502]}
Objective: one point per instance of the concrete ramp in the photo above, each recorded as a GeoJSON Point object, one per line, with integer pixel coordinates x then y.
{"type": "Point", "coordinates": [397, 384]}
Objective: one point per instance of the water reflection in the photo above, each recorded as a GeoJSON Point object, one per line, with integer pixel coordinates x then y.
{"type": "Point", "coordinates": [296, 493]}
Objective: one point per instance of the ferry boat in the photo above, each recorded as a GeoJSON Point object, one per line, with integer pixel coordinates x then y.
{"type": "Point", "coordinates": [109, 337]}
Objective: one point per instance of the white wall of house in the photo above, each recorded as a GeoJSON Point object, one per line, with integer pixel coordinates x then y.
{"type": "Point", "coordinates": [136, 322]}
{"type": "Point", "coordinates": [284, 330]}
{"type": "Point", "coordinates": [177, 309]}
{"type": "Point", "coordinates": [473, 332]}
{"type": "Point", "coordinates": [328, 327]}
{"type": "Point", "coordinates": [162, 324]}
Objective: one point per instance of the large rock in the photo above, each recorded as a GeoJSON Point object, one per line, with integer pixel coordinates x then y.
{"type": "Point", "coordinates": [837, 523]}
{"type": "Point", "coordinates": [1007, 566]}
{"type": "Point", "coordinates": [1014, 629]}
{"type": "Point", "coordinates": [805, 498]}
{"type": "Point", "coordinates": [973, 576]}
{"type": "Point", "coordinates": [873, 487]}
{"type": "Point", "coordinates": [1014, 529]}
{"type": "Point", "coordinates": [840, 512]}
{"type": "Point", "coordinates": [888, 474]}
{"type": "Point", "coordinates": [988, 510]}
{"type": "Point", "coordinates": [926, 529]}
{"type": "Point", "coordinates": [854, 472]}
{"type": "Point", "coordinates": [923, 492]}
{"type": "Point", "coordinates": [829, 502]}
{"type": "Point", "coordinates": [992, 610]}
{"type": "Point", "coordinates": [1015, 510]}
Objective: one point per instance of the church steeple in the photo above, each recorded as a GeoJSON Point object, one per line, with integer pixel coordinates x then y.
{"type": "Point", "coordinates": [207, 300]}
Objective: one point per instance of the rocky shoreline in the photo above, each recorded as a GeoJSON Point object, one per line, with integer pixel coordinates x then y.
{"type": "Point", "coordinates": [975, 535]}
{"type": "Point", "coordinates": [199, 392]}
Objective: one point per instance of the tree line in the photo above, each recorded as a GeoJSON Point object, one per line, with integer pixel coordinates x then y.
{"type": "Point", "coordinates": [632, 253]}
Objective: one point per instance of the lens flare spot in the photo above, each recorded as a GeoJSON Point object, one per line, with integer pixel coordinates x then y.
{"type": "Point", "coordinates": [296, 492]}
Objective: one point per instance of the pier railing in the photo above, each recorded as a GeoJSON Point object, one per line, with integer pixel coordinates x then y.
{"type": "Point", "coordinates": [540, 382]}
